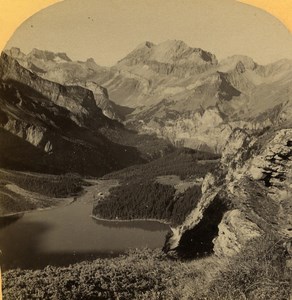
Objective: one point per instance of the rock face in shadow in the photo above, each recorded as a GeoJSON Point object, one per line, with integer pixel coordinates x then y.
{"type": "Point", "coordinates": [198, 241]}
{"type": "Point", "coordinates": [248, 196]}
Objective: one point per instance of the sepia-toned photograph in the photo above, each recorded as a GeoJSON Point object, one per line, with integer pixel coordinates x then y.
{"type": "Point", "coordinates": [146, 152]}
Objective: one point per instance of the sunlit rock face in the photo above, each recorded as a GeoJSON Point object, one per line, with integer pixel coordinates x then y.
{"type": "Point", "coordinates": [32, 134]}
{"type": "Point", "coordinates": [234, 231]}
{"type": "Point", "coordinates": [274, 165]}
{"type": "Point", "coordinates": [101, 98]}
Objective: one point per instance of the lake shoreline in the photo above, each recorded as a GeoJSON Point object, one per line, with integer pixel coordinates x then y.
{"type": "Point", "coordinates": [164, 222]}
{"type": "Point", "coordinates": [68, 235]}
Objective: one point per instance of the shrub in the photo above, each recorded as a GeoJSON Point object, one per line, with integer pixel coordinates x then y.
{"type": "Point", "coordinates": [140, 274]}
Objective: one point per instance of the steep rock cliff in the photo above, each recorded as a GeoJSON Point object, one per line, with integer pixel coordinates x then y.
{"type": "Point", "coordinates": [248, 196]}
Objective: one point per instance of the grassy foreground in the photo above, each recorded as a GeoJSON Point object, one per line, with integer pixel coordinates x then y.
{"type": "Point", "coordinates": [259, 272]}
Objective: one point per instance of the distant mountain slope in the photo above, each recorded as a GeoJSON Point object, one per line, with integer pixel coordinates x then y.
{"type": "Point", "coordinates": [202, 114]}
{"type": "Point", "coordinates": [53, 128]}
{"type": "Point", "coordinates": [58, 67]}
{"type": "Point", "coordinates": [199, 109]}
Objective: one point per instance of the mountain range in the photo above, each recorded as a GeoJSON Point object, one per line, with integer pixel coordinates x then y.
{"type": "Point", "coordinates": [177, 92]}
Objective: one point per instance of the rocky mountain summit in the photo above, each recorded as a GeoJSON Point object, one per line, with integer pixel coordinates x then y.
{"type": "Point", "coordinates": [177, 92]}
{"type": "Point", "coordinates": [170, 57]}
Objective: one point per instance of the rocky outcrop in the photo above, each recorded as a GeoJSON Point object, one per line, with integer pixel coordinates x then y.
{"type": "Point", "coordinates": [274, 164]}
{"type": "Point", "coordinates": [35, 135]}
{"type": "Point", "coordinates": [252, 189]}
{"type": "Point", "coordinates": [17, 54]}
{"type": "Point", "coordinates": [208, 195]}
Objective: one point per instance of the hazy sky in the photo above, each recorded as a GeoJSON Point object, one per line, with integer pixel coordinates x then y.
{"type": "Point", "coordinates": [107, 30]}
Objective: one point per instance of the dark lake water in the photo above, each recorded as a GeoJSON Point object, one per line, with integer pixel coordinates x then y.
{"type": "Point", "coordinates": [68, 234]}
